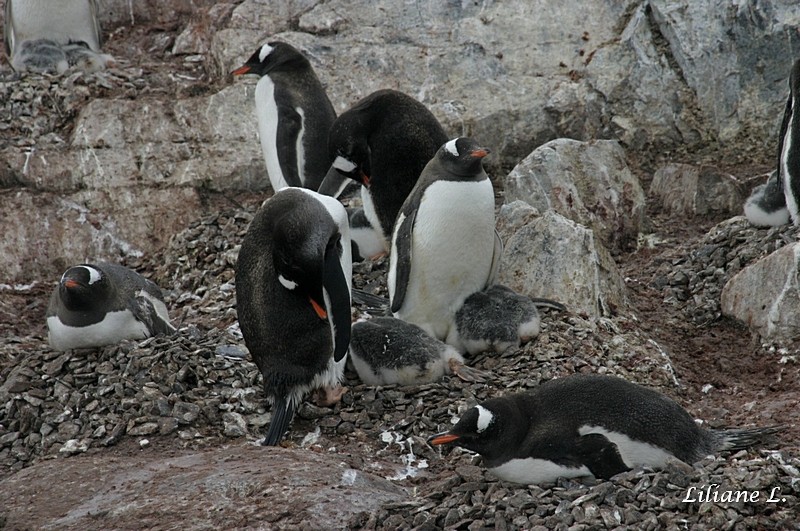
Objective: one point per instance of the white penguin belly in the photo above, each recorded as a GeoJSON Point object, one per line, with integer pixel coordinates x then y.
{"type": "Point", "coordinates": [452, 248]}
{"type": "Point", "coordinates": [267, 115]}
{"type": "Point", "coordinates": [532, 471]}
{"type": "Point", "coordinates": [115, 327]}
{"type": "Point", "coordinates": [633, 453]}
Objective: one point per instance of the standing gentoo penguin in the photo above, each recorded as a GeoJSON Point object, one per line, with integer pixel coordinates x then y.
{"type": "Point", "coordinates": [102, 304]}
{"type": "Point", "coordinates": [383, 142]}
{"type": "Point", "coordinates": [773, 203]}
{"type": "Point", "coordinates": [444, 245]}
{"type": "Point", "coordinates": [585, 425]}
{"type": "Point", "coordinates": [35, 30]}
{"type": "Point", "coordinates": [294, 115]}
{"type": "Point", "coordinates": [386, 351]}
{"type": "Point", "coordinates": [293, 297]}
{"type": "Point", "coordinates": [498, 318]}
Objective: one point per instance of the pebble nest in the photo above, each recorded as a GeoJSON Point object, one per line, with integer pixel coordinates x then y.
{"type": "Point", "coordinates": [200, 387]}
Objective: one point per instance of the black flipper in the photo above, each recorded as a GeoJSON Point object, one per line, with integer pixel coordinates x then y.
{"type": "Point", "coordinates": [282, 413]}
{"type": "Point", "coordinates": [335, 284]}
{"type": "Point", "coordinates": [288, 129]}
{"type": "Point", "coordinates": [401, 254]}
{"type": "Point", "coordinates": [600, 456]}
{"type": "Point", "coordinates": [333, 184]}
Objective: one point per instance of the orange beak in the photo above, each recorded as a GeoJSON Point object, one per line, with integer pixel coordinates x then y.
{"type": "Point", "coordinates": [480, 153]}
{"type": "Point", "coordinates": [241, 70]}
{"type": "Point", "coordinates": [319, 309]}
{"type": "Point", "coordinates": [443, 438]}
{"type": "Point", "coordinates": [69, 284]}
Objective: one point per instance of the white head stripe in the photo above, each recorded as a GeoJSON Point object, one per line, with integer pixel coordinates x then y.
{"type": "Point", "coordinates": [451, 147]}
{"type": "Point", "coordinates": [265, 51]}
{"type": "Point", "coordinates": [343, 164]}
{"type": "Point", "coordinates": [485, 417]}
{"type": "Point", "coordinates": [286, 283]}
{"type": "Point", "coordinates": [94, 274]}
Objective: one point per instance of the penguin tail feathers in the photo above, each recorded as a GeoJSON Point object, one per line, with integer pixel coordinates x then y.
{"type": "Point", "coordinates": [548, 303]}
{"type": "Point", "coordinates": [282, 413]}
{"type": "Point", "coordinates": [743, 438]}
{"type": "Point", "coordinates": [369, 300]}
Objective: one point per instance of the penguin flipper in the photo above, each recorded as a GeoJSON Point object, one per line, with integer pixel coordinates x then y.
{"type": "Point", "coordinates": [497, 254]}
{"type": "Point", "coordinates": [98, 34]}
{"type": "Point", "coordinates": [8, 31]}
{"type": "Point", "coordinates": [290, 126]}
{"type": "Point", "coordinates": [144, 311]}
{"type": "Point", "coordinates": [600, 456]}
{"type": "Point", "coordinates": [401, 257]}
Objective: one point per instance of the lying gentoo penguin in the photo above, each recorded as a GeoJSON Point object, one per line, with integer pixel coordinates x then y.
{"type": "Point", "coordinates": [383, 142]}
{"type": "Point", "coordinates": [773, 203]}
{"type": "Point", "coordinates": [294, 115]}
{"type": "Point", "coordinates": [585, 425]}
{"type": "Point", "coordinates": [102, 304]}
{"type": "Point", "coordinates": [293, 297]}
{"type": "Point", "coordinates": [71, 22]}
{"type": "Point", "coordinates": [444, 246]}
{"type": "Point", "coordinates": [386, 351]}
{"type": "Point", "coordinates": [498, 318]}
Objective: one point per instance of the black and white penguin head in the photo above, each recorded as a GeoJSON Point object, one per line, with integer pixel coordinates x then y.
{"type": "Point", "coordinates": [81, 286]}
{"type": "Point", "coordinates": [462, 156]}
{"type": "Point", "coordinates": [350, 152]}
{"type": "Point", "coordinates": [272, 56]}
{"type": "Point", "coordinates": [484, 429]}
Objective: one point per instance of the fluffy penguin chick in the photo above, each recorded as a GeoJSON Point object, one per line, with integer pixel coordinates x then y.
{"type": "Point", "coordinates": [444, 245]}
{"type": "Point", "coordinates": [293, 297]}
{"type": "Point", "coordinates": [102, 304]}
{"type": "Point", "coordinates": [386, 351]}
{"type": "Point", "coordinates": [498, 318]}
{"type": "Point", "coordinates": [294, 115]}
{"type": "Point", "coordinates": [584, 425]}
{"type": "Point", "coordinates": [772, 204]}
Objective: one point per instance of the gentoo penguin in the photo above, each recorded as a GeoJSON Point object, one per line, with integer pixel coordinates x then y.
{"type": "Point", "coordinates": [498, 318]}
{"type": "Point", "coordinates": [294, 116]}
{"type": "Point", "coordinates": [102, 304]}
{"type": "Point", "coordinates": [444, 245]}
{"type": "Point", "coordinates": [367, 242]}
{"type": "Point", "coordinates": [778, 200]}
{"type": "Point", "coordinates": [73, 22]}
{"type": "Point", "coordinates": [383, 142]}
{"type": "Point", "coordinates": [385, 350]}
{"type": "Point", "coordinates": [584, 425]}
{"type": "Point", "coordinates": [293, 297]}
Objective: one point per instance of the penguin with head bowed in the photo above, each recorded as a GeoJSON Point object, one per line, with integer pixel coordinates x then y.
{"type": "Point", "coordinates": [382, 142]}
{"type": "Point", "coordinates": [43, 39]}
{"type": "Point", "coordinates": [294, 115]}
{"type": "Point", "coordinates": [587, 425]}
{"type": "Point", "coordinates": [778, 200]}
{"type": "Point", "coordinates": [444, 245]}
{"type": "Point", "coordinates": [385, 350]}
{"type": "Point", "coordinates": [102, 304]}
{"type": "Point", "coordinates": [293, 297]}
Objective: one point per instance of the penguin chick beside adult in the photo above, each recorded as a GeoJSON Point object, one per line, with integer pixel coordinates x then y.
{"type": "Point", "coordinates": [41, 38]}
{"type": "Point", "coordinates": [294, 116]}
{"type": "Point", "coordinates": [382, 142]}
{"type": "Point", "coordinates": [586, 425]}
{"type": "Point", "coordinates": [293, 297]}
{"type": "Point", "coordinates": [498, 318]}
{"type": "Point", "coordinates": [102, 304]}
{"type": "Point", "coordinates": [385, 350]}
{"type": "Point", "coordinates": [772, 204]}
{"type": "Point", "coordinates": [444, 245]}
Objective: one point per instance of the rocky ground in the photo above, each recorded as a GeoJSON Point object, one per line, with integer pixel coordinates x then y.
{"type": "Point", "coordinates": [161, 433]}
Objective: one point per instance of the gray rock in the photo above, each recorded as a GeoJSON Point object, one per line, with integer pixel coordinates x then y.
{"type": "Point", "coordinates": [553, 257]}
{"type": "Point", "coordinates": [697, 190]}
{"type": "Point", "coordinates": [765, 295]}
{"type": "Point", "coordinates": [587, 182]}
{"type": "Point", "coordinates": [235, 425]}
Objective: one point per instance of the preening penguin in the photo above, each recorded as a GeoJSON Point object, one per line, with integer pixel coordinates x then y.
{"type": "Point", "coordinates": [385, 350]}
{"type": "Point", "coordinates": [772, 204]}
{"type": "Point", "coordinates": [42, 38]}
{"type": "Point", "coordinates": [102, 304]}
{"type": "Point", "coordinates": [382, 142]}
{"type": "Point", "coordinates": [444, 245]}
{"type": "Point", "coordinates": [584, 425]}
{"type": "Point", "coordinates": [294, 116]}
{"type": "Point", "coordinates": [293, 297]}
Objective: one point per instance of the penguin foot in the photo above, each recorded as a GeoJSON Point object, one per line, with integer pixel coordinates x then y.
{"type": "Point", "coordinates": [467, 374]}
{"type": "Point", "coordinates": [328, 396]}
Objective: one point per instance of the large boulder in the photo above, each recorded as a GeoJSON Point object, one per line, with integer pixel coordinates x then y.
{"type": "Point", "coordinates": [553, 257]}
{"type": "Point", "coordinates": [587, 182]}
{"type": "Point", "coordinates": [697, 190]}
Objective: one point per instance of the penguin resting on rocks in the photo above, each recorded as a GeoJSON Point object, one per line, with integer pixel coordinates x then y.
{"type": "Point", "coordinates": [587, 425]}
{"type": "Point", "coordinates": [293, 277]}
{"type": "Point", "coordinates": [102, 304]}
